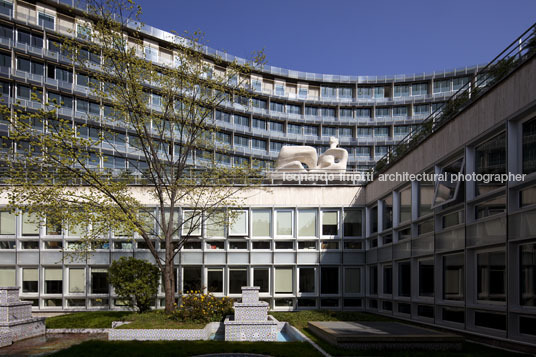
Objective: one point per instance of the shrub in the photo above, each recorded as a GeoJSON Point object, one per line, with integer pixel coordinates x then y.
{"type": "Point", "coordinates": [135, 281]}
{"type": "Point", "coordinates": [198, 307]}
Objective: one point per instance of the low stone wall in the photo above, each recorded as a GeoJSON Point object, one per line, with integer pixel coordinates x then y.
{"type": "Point", "coordinates": [164, 334]}
{"type": "Point", "coordinates": [25, 329]}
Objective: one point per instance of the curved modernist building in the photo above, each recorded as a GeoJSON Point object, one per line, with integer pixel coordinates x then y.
{"type": "Point", "coordinates": [461, 256]}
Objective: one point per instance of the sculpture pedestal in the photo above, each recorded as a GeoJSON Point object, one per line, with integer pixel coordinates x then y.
{"type": "Point", "coordinates": [16, 321]}
{"type": "Point", "coordinates": [251, 321]}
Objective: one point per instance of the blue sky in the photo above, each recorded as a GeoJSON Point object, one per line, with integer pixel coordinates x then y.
{"type": "Point", "coordinates": [374, 37]}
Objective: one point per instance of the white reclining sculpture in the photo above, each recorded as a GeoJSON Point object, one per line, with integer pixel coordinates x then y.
{"type": "Point", "coordinates": [305, 158]}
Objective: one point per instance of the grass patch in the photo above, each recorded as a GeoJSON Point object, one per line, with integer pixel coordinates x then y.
{"type": "Point", "coordinates": [89, 319]}
{"type": "Point", "coordinates": [157, 320]}
{"type": "Point", "coordinates": [299, 319]}
{"type": "Point", "coordinates": [104, 319]}
{"type": "Point", "coordinates": [186, 348]}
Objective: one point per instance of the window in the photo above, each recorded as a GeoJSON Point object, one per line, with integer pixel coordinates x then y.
{"type": "Point", "coordinates": [30, 280]}
{"type": "Point", "coordinates": [191, 225]}
{"type": "Point", "coordinates": [53, 281]}
{"type": "Point", "coordinates": [310, 130]}
{"type": "Point", "coordinates": [99, 281]}
{"type": "Point", "coordinates": [381, 132]}
{"type": "Point", "coordinates": [419, 89]}
{"type": "Point", "coordinates": [328, 112]}
{"type": "Point", "coordinates": [529, 146]}
{"type": "Point", "coordinates": [400, 111]}
{"type": "Point", "coordinates": [275, 146]}
{"type": "Point", "coordinates": [283, 281]}
{"type": "Point", "coordinates": [237, 279]}
{"type": "Point", "coordinates": [352, 223]}
{"type": "Point", "coordinates": [284, 223]}
{"type": "Point", "coordinates": [7, 277]}
{"type": "Point", "coordinates": [363, 152]}
{"type": "Point", "coordinates": [490, 158]}
{"type": "Point", "coordinates": [373, 280]}
{"type": "Point", "coordinates": [60, 74]}
{"type": "Point", "coordinates": [352, 280]}
{"type": "Point", "coordinates": [311, 245]}
{"type": "Point", "coordinates": [241, 120]}
{"type": "Point", "coordinates": [329, 280]}
{"type": "Point", "coordinates": [222, 116]}
{"type": "Point", "coordinates": [259, 124]}
{"type": "Point", "coordinates": [302, 92]}
{"type": "Point", "coordinates": [346, 93]}
{"type": "Point", "coordinates": [61, 101]}
{"type": "Point", "coordinates": [346, 113]}
{"type": "Point", "coordinates": [30, 39]}
{"type": "Point", "coordinates": [330, 224]}
{"type": "Point", "coordinates": [276, 126]}
{"type": "Point", "coordinates": [77, 281]}
{"type": "Point", "coordinates": [401, 91]}
{"type": "Point", "coordinates": [261, 279]}
{"type": "Point", "coordinates": [284, 245]}
{"type": "Point", "coordinates": [362, 113]}
{"type": "Point", "coordinates": [7, 223]}
{"type": "Point", "coordinates": [258, 103]}
{"type": "Point", "coordinates": [449, 190]}
{"type": "Point", "coordinates": [215, 280]}
{"type": "Point", "coordinates": [329, 131]}
{"type": "Point", "coordinates": [387, 213]}
{"type": "Point", "coordinates": [241, 141]}
{"type": "Point", "coordinates": [426, 197]}
{"type": "Point", "coordinates": [294, 129]}
{"type": "Point", "coordinates": [239, 223]}
{"type": "Point", "coordinates": [527, 278]}
{"type": "Point", "coordinates": [379, 92]}
{"type": "Point", "coordinates": [364, 93]}
{"type": "Point", "coordinates": [261, 223]}
{"type": "Point", "coordinates": [328, 92]}
{"type": "Point", "coordinates": [307, 280]}
{"type": "Point", "coordinates": [442, 86]}
{"type": "Point", "coordinates": [421, 109]}
{"type": "Point", "coordinates": [9, 244]}
{"type": "Point", "coordinates": [458, 83]}
{"type": "Point", "coordinates": [353, 245]}
{"type": "Point", "coordinates": [260, 245]}
{"type": "Point", "coordinates": [277, 107]}
{"type": "Point", "coordinates": [46, 21]}
{"type": "Point", "coordinates": [388, 279]}
{"type": "Point", "coordinates": [311, 111]}
{"type": "Point", "coordinates": [453, 277]}
{"type": "Point", "coordinates": [293, 109]}
{"type": "Point", "coordinates": [404, 279]}
{"type": "Point", "coordinates": [426, 278]}
{"type": "Point", "coordinates": [491, 276]}
{"type": "Point", "coordinates": [83, 32]}
{"type": "Point", "coordinates": [402, 130]}
{"type": "Point", "coordinates": [191, 280]}
{"type": "Point", "coordinates": [279, 89]}
{"type": "Point", "coordinates": [364, 132]}
{"type": "Point", "coordinates": [151, 53]}
{"type": "Point", "coordinates": [307, 223]}
{"type": "Point", "coordinates": [6, 7]}
{"type": "Point", "coordinates": [30, 224]}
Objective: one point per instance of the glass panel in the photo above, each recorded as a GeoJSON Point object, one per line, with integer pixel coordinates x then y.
{"type": "Point", "coordinates": [405, 204]}
{"type": "Point", "coordinates": [284, 223]}
{"type": "Point", "coordinates": [528, 274]}
{"type": "Point", "coordinates": [388, 279]}
{"type": "Point", "coordinates": [215, 280]}
{"type": "Point", "coordinates": [283, 281]}
{"type": "Point", "coordinates": [30, 280]}
{"type": "Point", "coordinates": [491, 276]}
{"type": "Point", "coordinates": [330, 223]}
{"type": "Point", "coordinates": [191, 225]}
{"type": "Point", "coordinates": [426, 197]}
{"type": "Point", "coordinates": [307, 223]}
{"type": "Point", "coordinates": [191, 279]}
{"type": "Point", "coordinates": [77, 280]}
{"type": "Point", "coordinates": [426, 278]}
{"type": "Point", "coordinates": [352, 280]}
{"type": "Point", "coordinates": [261, 222]}
{"type": "Point", "coordinates": [329, 280]}
{"type": "Point", "coordinates": [352, 223]}
{"type": "Point", "coordinates": [387, 212]}
{"type": "Point", "coordinates": [7, 222]}
{"type": "Point", "coordinates": [30, 224]}
{"type": "Point", "coordinates": [529, 146]}
{"type": "Point", "coordinates": [53, 281]}
{"type": "Point", "coordinates": [99, 281]}
{"type": "Point", "coordinates": [239, 223]}
{"type": "Point", "coordinates": [404, 279]}
{"type": "Point", "coordinates": [453, 277]}
{"type": "Point", "coordinates": [215, 225]}
{"type": "Point", "coordinates": [261, 279]}
{"type": "Point", "coordinates": [490, 158]}
{"type": "Point", "coordinates": [237, 279]}
{"type": "Point", "coordinates": [445, 191]}
{"type": "Point", "coordinates": [307, 280]}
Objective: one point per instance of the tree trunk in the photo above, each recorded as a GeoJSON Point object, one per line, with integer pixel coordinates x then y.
{"type": "Point", "coordinates": [169, 283]}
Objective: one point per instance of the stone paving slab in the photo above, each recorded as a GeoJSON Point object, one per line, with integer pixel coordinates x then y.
{"type": "Point", "coordinates": [382, 334]}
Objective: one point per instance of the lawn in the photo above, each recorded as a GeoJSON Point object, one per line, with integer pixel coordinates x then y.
{"type": "Point", "coordinates": [104, 319]}
{"type": "Point", "coordinates": [299, 319]}
{"type": "Point", "coordinates": [186, 348]}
